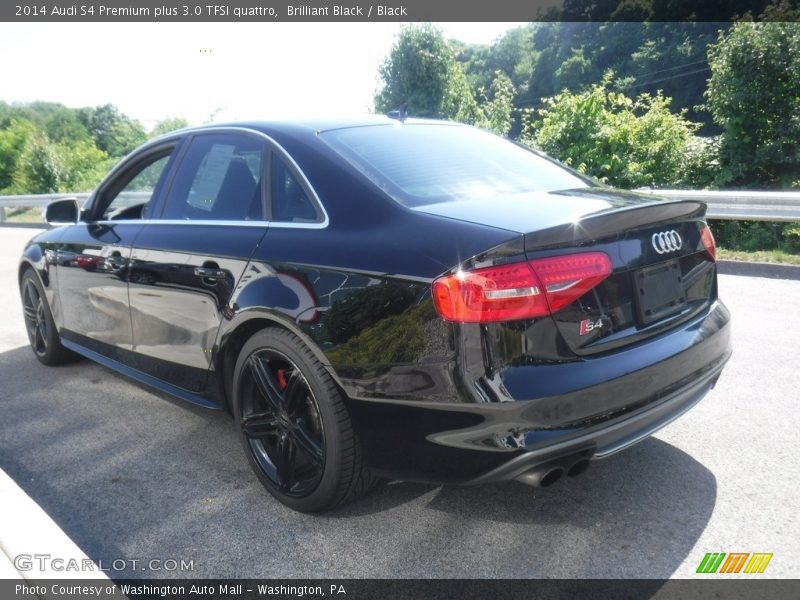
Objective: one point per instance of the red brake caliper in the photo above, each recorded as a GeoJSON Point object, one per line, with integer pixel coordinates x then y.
{"type": "Point", "coordinates": [282, 383]}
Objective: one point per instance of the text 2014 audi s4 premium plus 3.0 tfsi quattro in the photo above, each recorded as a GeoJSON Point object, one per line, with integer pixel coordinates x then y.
{"type": "Point", "coordinates": [371, 299]}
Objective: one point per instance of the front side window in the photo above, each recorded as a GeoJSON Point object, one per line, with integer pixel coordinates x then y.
{"type": "Point", "coordinates": [129, 200]}
{"type": "Point", "coordinates": [218, 179]}
{"type": "Point", "coordinates": [420, 164]}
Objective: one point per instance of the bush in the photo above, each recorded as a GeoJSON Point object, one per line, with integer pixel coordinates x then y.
{"type": "Point", "coordinates": [752, 236]}
{"type": "Point", "coordinates": [791, 234]}
{"type": "Point", "coordinates": [700, 163]}
{"type": "Point", "coordinates": [753, 95]}
{"type": "Point", "coordinates": [626, 142]}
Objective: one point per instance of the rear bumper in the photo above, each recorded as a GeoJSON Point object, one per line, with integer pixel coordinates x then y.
{"type": "Point", "coordinates": [610, 437]}
{"type": "Point", "coordinates": [598, 406]}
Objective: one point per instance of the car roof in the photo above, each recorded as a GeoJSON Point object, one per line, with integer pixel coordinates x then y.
{"type": "Point", "coordinates": [312, 126]}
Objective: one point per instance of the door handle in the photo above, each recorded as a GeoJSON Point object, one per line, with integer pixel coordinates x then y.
{"type": "Point", "coordinates": [116, 261]}
{"type": "Point", "coordinates": [209, 273]}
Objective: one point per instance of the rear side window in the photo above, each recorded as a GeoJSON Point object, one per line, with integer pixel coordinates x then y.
{"type": "Point", "coordinates": [290, 203]}
{"type": "Point", "coordinates": [421, 164]}
{"type": "Point", "coordinates": [219, 179]}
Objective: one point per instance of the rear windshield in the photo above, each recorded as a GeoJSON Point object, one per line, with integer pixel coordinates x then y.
{"type": "Point", "coordinates": [421, 164]}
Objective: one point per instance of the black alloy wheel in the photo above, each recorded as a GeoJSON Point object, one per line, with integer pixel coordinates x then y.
{"type": "Point", "coordinates": [294, 425]}
{"type": "Point", "coordinates": [281, 422]}
{"type": "Point", "coordinates": [39, 323]}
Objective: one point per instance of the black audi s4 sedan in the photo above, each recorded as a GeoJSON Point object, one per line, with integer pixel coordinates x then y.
{"type": "Point", "coordinates": [376, 298]}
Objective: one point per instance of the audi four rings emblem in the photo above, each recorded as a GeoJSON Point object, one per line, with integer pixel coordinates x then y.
{"type": "Point", "coordinates": [667, 241]}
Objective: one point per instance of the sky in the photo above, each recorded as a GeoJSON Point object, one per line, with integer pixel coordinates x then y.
{"type": "Point", "coordinates": [206, 71]}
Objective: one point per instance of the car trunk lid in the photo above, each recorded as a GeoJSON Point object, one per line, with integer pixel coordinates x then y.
{"type": "Point", "coordinates": [662, 272]}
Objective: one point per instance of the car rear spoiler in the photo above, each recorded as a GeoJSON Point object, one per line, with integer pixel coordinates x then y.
{"type": "Point", "coordinates": [613, 222]}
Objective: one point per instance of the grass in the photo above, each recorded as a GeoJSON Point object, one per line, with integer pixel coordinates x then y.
{"type": "Point", "coordinates": [24, 215]}
{"type": "Point", "coordinates": [767, 256]}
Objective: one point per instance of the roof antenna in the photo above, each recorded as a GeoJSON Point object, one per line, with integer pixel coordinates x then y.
{"type": "Point", "coordinates": [401, 114]}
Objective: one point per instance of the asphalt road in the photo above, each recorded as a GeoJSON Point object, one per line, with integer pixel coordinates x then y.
{"type": "Point", "coordinates": [130, 474]}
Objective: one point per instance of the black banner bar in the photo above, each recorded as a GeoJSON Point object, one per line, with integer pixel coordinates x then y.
{"type": "Point", "coordinates": [702, 588]}
{"type": "Point", "coordinates": [365, 10]}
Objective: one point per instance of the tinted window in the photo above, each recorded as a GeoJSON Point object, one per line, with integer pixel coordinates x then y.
{"type": "Point", "coordinates": [290, 203]}
{"type": "Point", "coordinates": [218, 179]}
{"type": "Point", "coordinates": [422, 164]}
{"type": "Point", "coordinates": [130, 201]}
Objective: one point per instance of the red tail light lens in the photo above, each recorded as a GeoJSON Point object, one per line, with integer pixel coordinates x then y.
{"type": "Point", "coordinates": [567, 278]}
{"type": "Point", "coordinates": [524, 290]}
{"type": "Point", "coordinates": [708, 242]}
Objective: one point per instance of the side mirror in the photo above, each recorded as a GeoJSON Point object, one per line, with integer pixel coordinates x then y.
{"type": "Point", "coordinates": [61, 212]}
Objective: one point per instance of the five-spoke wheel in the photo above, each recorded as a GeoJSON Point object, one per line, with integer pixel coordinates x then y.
{"type": "Point", "coordinates": [281, 422]}
{"type": "Point", "coordinates": [33, 307]}
{"type": "Point", "coordinates": [294, 425]}
{"type": "Point", "coordinates": [39, 323]}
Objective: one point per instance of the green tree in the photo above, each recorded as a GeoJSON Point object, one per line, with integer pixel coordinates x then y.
{"type": "Point", "coordinates": [543, 59]}
{"type": "Point", "coordinates": [13, 139]}
{"type": "Point", "coordinates": [45, 166]}
{"type": "Point", "coordinates": [422, 74]}
{"type": "Point", "coordinates": [419, 74]}
{"type": "Point", "coordinates": [84, 166]}
{"type": "Point", "coordinates": [627, 142]}
{"type": "Point", "coordinates": [113, 133]}
{"type": "Point", "coordinates": [754, 95]}
{"type": "Point", "coordinates": [168, 125]}
{"type": "Point", "coordinates": [497, 110]}
{"type": "Point", "coordinates": [40, 169]}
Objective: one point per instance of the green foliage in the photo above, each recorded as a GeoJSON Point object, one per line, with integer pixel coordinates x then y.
{"type": "Point", "coordinates": [113, 132]}
{"type": "Point", "coordinates": [791, 236]}
{"type": "Point", "coordinates": [40, 169]}
{"type": "Point", "coordinates": [422, 74]}
{"type": "Point", "coordinates": [512, 54]}
{"type": "Point", "coordinates": [699, 163]}
{"type": "Point", "coordinates": [84, 166]}
{"type": "Point", "coordinates": [418, 73]}
{"type": "Point", "coordinates": [575, 71]}
{"type": "Point", "coordinates": [13, 138]}
{"type": "Point", "coordinates": [752, 236]}
{"type": "Point", "coordinates": [459, 102]}
{"type": "Point", "coordinates": [497, 110]}
{"type": "Point", "coordinates": [754, 95]}
{"type": "Point", "coordinates": [168, 125]}
{"type": "Point", "coordinates": [47, 147]}
{"type": "Point", "coordinates": [544, 59]}
{"type": "Point", "coordinates": [626, 142]}
{"type": "Point", "coordinates": [47, 167]}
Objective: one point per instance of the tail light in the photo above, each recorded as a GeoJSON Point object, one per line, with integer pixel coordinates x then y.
{"type": "Point", "coordinates": [708, 242]}
{"type": "Point", "coordinates": [523, 290]}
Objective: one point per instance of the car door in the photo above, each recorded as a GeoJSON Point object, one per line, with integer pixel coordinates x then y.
{"type": "Point", "coordinates": [93, 256]}
{"type": "Point", "coordinates": [188, 258]}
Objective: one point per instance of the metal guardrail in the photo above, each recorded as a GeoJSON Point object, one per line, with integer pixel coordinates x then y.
{"type": "Point", "coordinates": [42, 200]}
{"type": "Point", "coordinates": [744, 206]}
{"type": "Point", "coordinates": [738, 206]}
{"type": "Point", "coordinates": [35, 200]}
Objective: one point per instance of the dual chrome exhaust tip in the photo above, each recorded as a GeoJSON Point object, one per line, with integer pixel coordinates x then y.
{"type": "Point", "coordinates": [549, 473]}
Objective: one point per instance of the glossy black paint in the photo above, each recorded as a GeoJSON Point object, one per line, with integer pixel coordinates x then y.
{"type": "Point", "coordinates": [181, 281]}
{"type": "Point", "coordinates": [172, 303]}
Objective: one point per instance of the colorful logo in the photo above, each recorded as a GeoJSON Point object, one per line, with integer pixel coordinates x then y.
{"type": "Point", "coordinates": [734, 562]}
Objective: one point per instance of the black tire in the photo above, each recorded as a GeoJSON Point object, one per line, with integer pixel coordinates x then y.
{"type": "Point", "coordinates": [294, 426]}
{"type": "Point", "coordinates": [39, 323]}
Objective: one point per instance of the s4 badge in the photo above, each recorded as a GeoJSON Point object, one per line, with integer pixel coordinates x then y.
{"type": "Point", "coordinates": [589, 325]}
